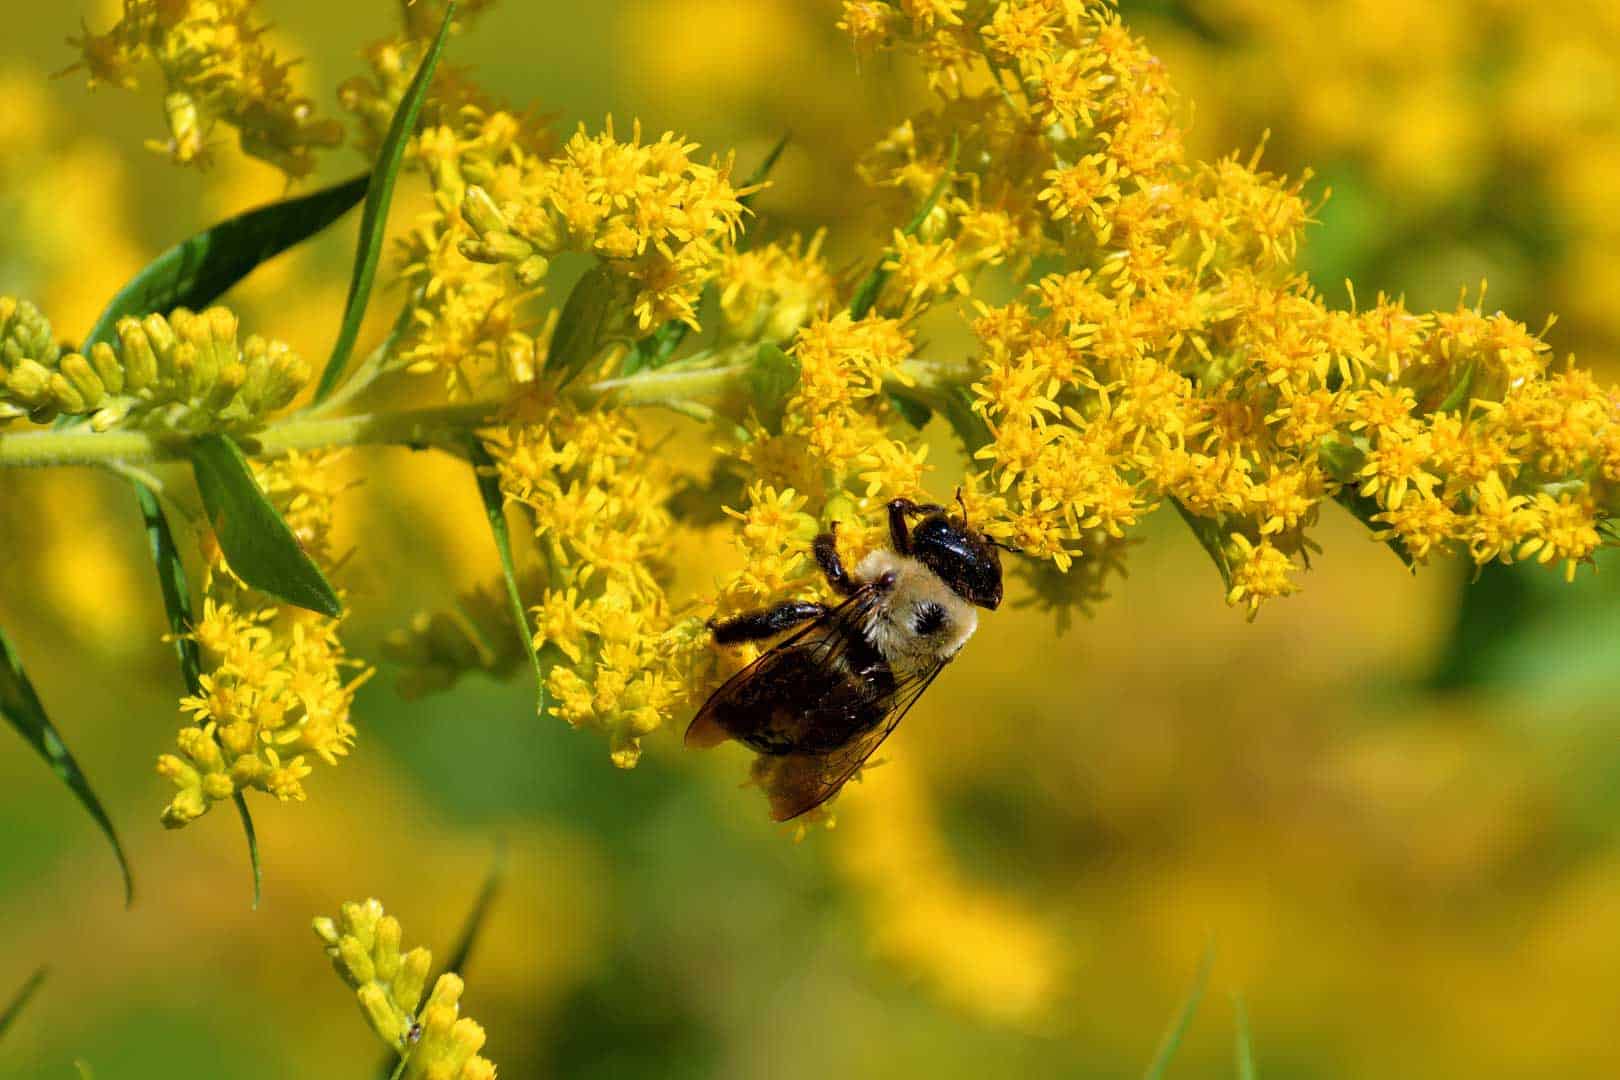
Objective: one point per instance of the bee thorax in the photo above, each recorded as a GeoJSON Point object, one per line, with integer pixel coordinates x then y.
{"type": "Point", "coordinates": [918, 620]}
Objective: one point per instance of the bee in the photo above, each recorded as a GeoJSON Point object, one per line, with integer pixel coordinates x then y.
{"type": "Point", "coordinates": [817, 704]}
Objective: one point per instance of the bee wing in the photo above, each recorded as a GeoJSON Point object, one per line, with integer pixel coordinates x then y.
{"type": "Point", "coordinates": [758, 687]}
{"type": "Point", "coordinates": [798, 783]}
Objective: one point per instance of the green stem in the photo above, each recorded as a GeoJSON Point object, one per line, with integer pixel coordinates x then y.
{"type": "Point", "coordinates": [436, 426]}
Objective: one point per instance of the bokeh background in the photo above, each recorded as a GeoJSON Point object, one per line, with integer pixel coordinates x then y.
{"type": "Point", "coordinates": [1392, 804]}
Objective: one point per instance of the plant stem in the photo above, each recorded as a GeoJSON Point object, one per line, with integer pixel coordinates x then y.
{"type": "Point", "coordinates": [437, 426]}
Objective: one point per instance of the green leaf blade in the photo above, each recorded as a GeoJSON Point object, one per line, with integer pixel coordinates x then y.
{"type": "Point", "coordinates": [1177, 1030]}
{"type": "Point", "coordinates": [259, 546]}
{"type": "Point", "coordinates": [1364, 508]}
{"type": "Point", "coordinates": [866, 295]}
{"type": "Point", "coordinates": [22, 709]}
{"type": "Point", "coordinates": [489, 490]}
{"type": "Point", "coordinates": [21, 999]}
{"type": "Point", "coordinates": [171, 572]}
{"type": "Point", "coordinates": [583, 323]}
{"type": "Point", "coordinates": [374, 216]}
{"type": "Point", "coordinates": [199, 269]}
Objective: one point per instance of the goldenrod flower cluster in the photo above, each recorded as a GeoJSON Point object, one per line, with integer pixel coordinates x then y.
{"type": "Point", "coordinates": [277, 684]}
{"type": "Point", "coordinates": [658, 218]}
{"type": "Point", "coordinates": [437, 1042]}
{"type": "Point", "coordinates": [216, 68]}
{"type": "Point", "coordinates": [597, 497]}
{"type": "Point", "coordinates": [1179, 356]}
{"type": "Point", "coordinates": [186, 372]}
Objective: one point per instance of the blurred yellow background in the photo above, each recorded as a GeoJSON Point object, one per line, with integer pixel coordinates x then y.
{"type": "Point", "coordinates": [1392, 805]}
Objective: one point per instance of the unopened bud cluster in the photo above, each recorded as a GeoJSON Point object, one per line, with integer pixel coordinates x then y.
{"type": "Point", "coordinates": [184, 372]}
{"type": "Point", "coordinates": [437, 1042]}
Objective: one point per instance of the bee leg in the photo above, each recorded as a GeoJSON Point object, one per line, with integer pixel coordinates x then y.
{"type": "Point", "coordinates": [899, 531]}
{"type": "Point", "coordinates": [826, 552]}
{"type": "Point", "coordinates": [758, 625]}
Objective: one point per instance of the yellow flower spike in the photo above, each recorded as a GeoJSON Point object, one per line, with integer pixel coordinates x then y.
{"type": "Point", "coordinates": [437, 1043]}
{"type": "Point", "coordinates": [277, 682]}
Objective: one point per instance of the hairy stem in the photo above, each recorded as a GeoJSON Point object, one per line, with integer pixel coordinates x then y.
{"type": "Point", "coordinates": [437, 426]}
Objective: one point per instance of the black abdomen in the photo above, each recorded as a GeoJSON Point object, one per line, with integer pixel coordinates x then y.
{"type": "Point", "coordinates": [797, 701]}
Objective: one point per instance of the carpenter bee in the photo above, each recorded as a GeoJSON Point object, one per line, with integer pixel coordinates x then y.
{"type": "Point", "coordinates": [818, 704]}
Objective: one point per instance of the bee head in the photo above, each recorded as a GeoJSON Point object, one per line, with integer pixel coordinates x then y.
{"type": "Point", "coordinates": [962, 558]}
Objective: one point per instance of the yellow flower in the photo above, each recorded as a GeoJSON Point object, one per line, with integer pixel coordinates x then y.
{"type": "Point", "coordinates": [437, 1042]}
{"type": "Point", "coordinates": [277, 684]}
{"type": "Point", "coordinates": [216, 69]}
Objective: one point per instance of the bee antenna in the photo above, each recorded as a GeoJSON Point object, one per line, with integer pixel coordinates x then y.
{"type": "Point", "coordinates": [960, 502]}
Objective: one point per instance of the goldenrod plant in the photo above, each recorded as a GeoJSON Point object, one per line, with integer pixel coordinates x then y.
{"type": "Point", "coordinates": [596, 322]}
{"type": "Point", "coordinates": [1160, 350]}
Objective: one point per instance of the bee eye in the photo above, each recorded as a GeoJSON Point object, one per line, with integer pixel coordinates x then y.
{"type": "Point", "coordinates": [928, 619]}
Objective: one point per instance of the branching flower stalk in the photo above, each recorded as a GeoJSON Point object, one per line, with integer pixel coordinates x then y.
{"type": "Point", "coordinates": [1170, 356]}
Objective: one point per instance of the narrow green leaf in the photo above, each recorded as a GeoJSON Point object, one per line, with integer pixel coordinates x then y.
{"type": "Point", "coordinates": [1459, 393]}
{"type": "Point", "coordinates": [656, 349]}
{"type": "Point", "coordinates": [258, 544]}
{"type": "Point", "coordinates": [197, 270]}
{"type": "Point", "coordinates": [489, 489]}
{"type": "Point", "coordinates": [914, 412]}
{"type": "Point", "coordinates": [21, 707]}
{"type": "Point", "coordinates": [771, 380]}
{"type": "Point", "coordinates": [172, 581]}
{"type": "Point", "coordinates": [374, 218]}
{"type": "Point", "coordinates": [22, 998]}
{"type": "Point", "coordinates": [474, 923]}
{"type": "Point", "coordinates": [581, 326]}
{"type": "Point", "coordinates": [253, 847]}
{"type": "Point", "coordinates": [471, 927]}
{"type": "Point", "coordinates": [1364, 508]}
{"type": "Point", "coordinates": [968, 425]}
{"type": "Point", "coordinates": [171, 570]}
{"type": "Point", "coordinates": [866, 295]}
{"type": "Point", "coordinates": [1244, 1049]}
{"type": "Point", "coordinates": [1210, 537]}
{"type": "Point", "coordinates": [1178, 1027]}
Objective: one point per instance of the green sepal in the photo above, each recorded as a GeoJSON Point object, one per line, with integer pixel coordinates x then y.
{"type": "Point", "coordinates": [257, 543]}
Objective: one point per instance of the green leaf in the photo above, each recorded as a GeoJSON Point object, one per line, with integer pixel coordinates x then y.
{"type": "Point", "coordinates": [171, 570]}
{"type": "Point", "coordinates": [489, 489]}
{"type": "Point", "coordinates": [1178, 1027]}
{"type": "Point", "coordinates": [260, 547]}
{"type": "Point", "coordinates": [196, 271]}
{"type": "Point", "coordinates": [1459, 393]}
{"type": "Point", "coordinates": [771, 380]}
{"type": "Point", "coordinates": [1244, 1051]}
{"type": "Point", "coordinates": [253, 847]}
{"type": "Point", "coordinates": [1364, 507]}
{"type": "Point", "coordinates": [582, 324]}
{"type": "Point", "coordinates": [866, 295]}
{"type": "Point", "coordinates": [21, 707]}
{"type": "Point", "coordinates": [914, 412]}
{"type": "Point", "coordinates": [172, 581]}
{"type": "Point", "coordinates": [22, 998]}
{"type": "Point", "coordinates": [1211, 537]}
{"type": "Point", "coordinates": [968, 425]}
{"type": "Point", "coordinates": [474, 922]}
{"type": "Point", "coordinates": [471, 927]}
{"type": "Point", "coordinates": [374, 218]}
